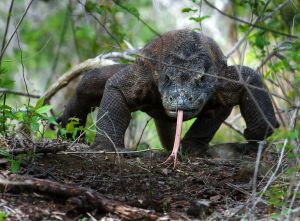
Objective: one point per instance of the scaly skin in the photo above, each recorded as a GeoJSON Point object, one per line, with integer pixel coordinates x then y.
{"type": "Point", "coordinates": [182, 70]}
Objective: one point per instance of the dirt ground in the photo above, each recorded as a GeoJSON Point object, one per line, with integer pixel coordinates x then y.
{"type": "Point", "coordinates": [198, 188]}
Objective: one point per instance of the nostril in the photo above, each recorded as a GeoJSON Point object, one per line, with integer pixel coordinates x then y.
{"type": "Point", "coordinates": [170, 99]}
{"type": "Point", "coordinates": [190, 98]}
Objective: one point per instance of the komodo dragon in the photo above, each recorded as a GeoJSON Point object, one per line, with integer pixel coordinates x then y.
{"type": "Point", "coordinates": [179, 70]}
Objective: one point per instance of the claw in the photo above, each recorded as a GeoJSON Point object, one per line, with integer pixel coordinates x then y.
{"type": "Point", "coordinates": [173, 155]}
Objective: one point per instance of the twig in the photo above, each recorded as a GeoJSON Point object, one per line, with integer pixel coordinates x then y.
{"type": "Point", "coordinates": [97, 62]}
{"type": "Point", "coordinates": [274, 52]}
{"type": "Point", "coordinates": [16, 29]}
{"type": "Point", "coordinates": [137, 17]}
{"type": "Point", "coordinates": [6, 29]}
{"type": "Point", "coordinates": [118, 55]}
{"type": "Point", "coordinates": [76, 44]}
{"type": "Point", "coordinates": [7, 91]}
{"type": "Point", "coordinates": [68, 76]}
{"type": "Point", "coordinates": [23, 68]}
{"type": "Point", "coordinates": [108, 152]}
{"type": "Point", "coordinates": [3, 112]}
{"type": "Point", "coordinates": [296, 191]}
{"type": "Point", "coordinates": [248, 23]}
{"type": "Point", "coordinates": [102, 25]}
{"type": "Point", "coordinates": [273, 176]}
{"type": "Point", "coordinates": [140, 138]}
{"type": "Point", "coordinates": [60, 44]}
{"type": "Point", "coordinates": [254, 181]}
{"type": "Point", "coordinates": [233, 127]}
{"type": "Point", "coordinates": [242, 39]}
{"type": "Point", "coordinates": [50, 147]}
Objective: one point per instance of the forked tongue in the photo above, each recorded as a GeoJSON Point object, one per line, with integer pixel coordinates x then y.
{"type": "Point", "coordinates": [176, 145]}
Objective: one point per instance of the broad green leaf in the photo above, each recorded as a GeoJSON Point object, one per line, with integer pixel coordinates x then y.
{"type": "Point", "coordinates": [44, 109]}
{"type": "Point", "coordinates": [3, 216]}
{"type": "Point", "coordinates": [39, 103]}
{"type": "Point", "coordinates": [186, 10]}
{"type": "Point", "coordinates": [35, 126]}
{"type": "Point", "coordinates": [19, 116]}
{"type": "Point", "coordinates": [15, 165]}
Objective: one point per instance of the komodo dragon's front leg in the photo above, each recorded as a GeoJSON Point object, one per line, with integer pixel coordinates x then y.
{"type": "Point", "coordinates": [112, 119]}
{"type": "Point", "coordinates": [125, 92]}
{"type": "Point", "coordinates": [88, 94]}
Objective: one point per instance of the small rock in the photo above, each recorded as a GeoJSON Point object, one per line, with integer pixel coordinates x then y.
{"type": "Point", "coordinates": [215, 198]}
{"type": "Point", "coordinates": [199, 208]}
{"type": "Point", "coordinates": [165, 171]}
{"type": "Point", "coordinates": [228, 151]}
{"type": "Point", "coordinates": [246, 171]}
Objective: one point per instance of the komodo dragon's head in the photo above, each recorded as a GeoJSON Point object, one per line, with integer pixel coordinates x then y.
{"type": "Point", "coordinates": [187, 64]}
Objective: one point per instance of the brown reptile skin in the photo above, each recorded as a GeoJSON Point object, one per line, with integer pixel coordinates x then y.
{"type": "Point", "coordinates": [180, 69]}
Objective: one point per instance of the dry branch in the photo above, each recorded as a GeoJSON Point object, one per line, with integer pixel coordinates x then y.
{"type": "Point", "coordinates": [49, 147]}
{"type": "Point", "coordinates": [2, 91]}
{"type": "Point", "coordinates": [87, 199]}
{"type": "Point", "coordinates": [97, 62]}
{"type": "Point", "coordinates": [64, 80]}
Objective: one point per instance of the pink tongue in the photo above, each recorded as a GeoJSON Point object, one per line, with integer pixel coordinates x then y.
{"type": "Point", "coordinates": [177, 138]}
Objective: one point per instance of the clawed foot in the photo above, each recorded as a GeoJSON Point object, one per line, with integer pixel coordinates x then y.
{"type": "Point", "coordinates": [173, 157]}
{"type": "Point", "coordinates": [177, 138]}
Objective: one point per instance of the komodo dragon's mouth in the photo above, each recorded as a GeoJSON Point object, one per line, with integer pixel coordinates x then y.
{"type": "Point", "coordinates": [187, 114]}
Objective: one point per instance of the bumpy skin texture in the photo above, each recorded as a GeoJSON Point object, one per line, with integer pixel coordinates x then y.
{"type": "Point", "coordinates": [88, 93]}
{"type": "Point", "coordinates": [185, 70]}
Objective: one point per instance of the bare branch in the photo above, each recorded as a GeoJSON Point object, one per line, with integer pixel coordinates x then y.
{"type": "Point", "coordinates": [248, 23]}
{"type": "Point", "coordinates": [102, 25]}
{"type": "Point", "coordinates": [97, 62]}
{"type": "Point", "coordinates": [16, 29]}
{"type": "Point", "coordinates": [242, 39]}
{"type": "Point", "coordinates": [6, 29]}
{"type": "Point", "coordinates": [7, 91]}
{"type": "Point", "coordinates": [92, 199]}
{"type": "Point", "coordinates": [23, 67]}
{"type": "Point", "coordinates": [68, 76]}
{"type": "Point", "coordinates": [233, 127]}
{"type": "Point", "coordinates": [137, 17]}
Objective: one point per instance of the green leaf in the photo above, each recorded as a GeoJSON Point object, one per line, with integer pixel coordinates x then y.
{"type": "Point", "coordinates": [35, 126]}
{"type": "Point", "coordinates": [15, 166]}
{"type": "Point", "coordinates": [52, 120]}
{"type": "Point", "coordinates": [186, 10]}
{"type": "Point", "coordinates": [39, 103]}
{"type": "Point", "coordinates": [3, 216]}
{"type": "Point", "coordinates": [50, 134]}
{"type": "Point", "coordinates": [199, 19]}
{"type": "Point", "coordinates": [44, 109]}
{"type": "Point", "coordinates": [90, 6]}
{"type": "Point", "coordinates": [19, 116]}
{"type": "Point", "coordinates": [133, 10]}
